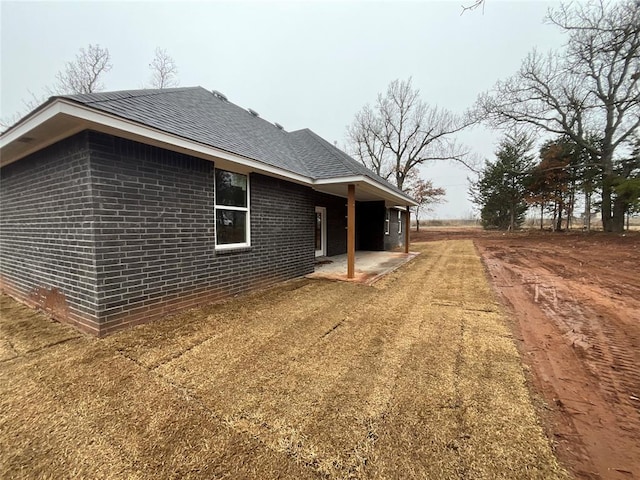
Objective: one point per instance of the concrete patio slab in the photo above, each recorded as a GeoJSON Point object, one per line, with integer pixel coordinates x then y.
{"type": "Point", "coordinates": [370, 266]}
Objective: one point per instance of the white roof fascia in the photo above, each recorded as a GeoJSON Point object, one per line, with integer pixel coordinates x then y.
{"type": "Point", "coordinates": [151, 133]}
{"type": "Point", "coordinates": [95, 117]}
{"type": "Point", "coordinates": [61, 106]}
{"type": "Point", "coordinates": [363, 179]}
{"type": "Point", "coordinates": [21, 129]}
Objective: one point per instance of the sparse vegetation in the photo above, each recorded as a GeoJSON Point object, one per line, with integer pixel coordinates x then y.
{"type": "Point", "coordinates": [416, 377]}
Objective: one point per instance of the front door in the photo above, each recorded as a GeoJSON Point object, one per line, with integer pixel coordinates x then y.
{"type": "Point", "coordinates": [321, 231]}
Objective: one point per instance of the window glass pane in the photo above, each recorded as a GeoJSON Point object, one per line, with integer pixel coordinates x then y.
{"type": "Point", "coordinates": [386, 221]}
{"type": "Point", "coordinates": [231, 227]}
{"type": "Point", "coordinates": [231, 189]}
{"type": "Point", "coordinates": [318, 231]}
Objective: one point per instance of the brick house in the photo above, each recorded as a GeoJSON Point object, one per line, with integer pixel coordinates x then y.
{"type": "Point", "coordinates": [117, 208]}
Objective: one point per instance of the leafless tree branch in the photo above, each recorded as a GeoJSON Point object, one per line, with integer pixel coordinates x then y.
{"type": "Point", "coordinates": [472, 6]}
{"type": "Point", "coordinates": [164, 70]}
{"type": "Point", "coordinates": [401, 132]}
{"type": "Point", "coordinates": [591, 86]}
{"type": "Point", "coordinates": [84, 74]}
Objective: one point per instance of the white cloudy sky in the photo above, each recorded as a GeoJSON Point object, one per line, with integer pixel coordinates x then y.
{"type": "Point", "coordinates": [301, 64]}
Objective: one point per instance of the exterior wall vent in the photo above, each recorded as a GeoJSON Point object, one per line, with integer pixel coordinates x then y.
{"type": "Point", "coordinates": [219, 95]}
{"type": "Point", "coordinates": [253, 112]}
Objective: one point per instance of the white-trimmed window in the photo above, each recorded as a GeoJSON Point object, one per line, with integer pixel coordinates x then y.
{"type": "Point", "coordinates": [231, 209]}
{"type": "Point", "coordinates": [386, 221]}
{"type": "Point", "coordinates": [399, 221]}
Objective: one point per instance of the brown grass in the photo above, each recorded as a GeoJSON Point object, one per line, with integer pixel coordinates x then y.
{"type": "Point", "coordinates": [416, 377]}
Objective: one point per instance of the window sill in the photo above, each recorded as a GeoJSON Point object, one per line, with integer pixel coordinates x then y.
{"type": "Point", "coordinates": [230, 250]}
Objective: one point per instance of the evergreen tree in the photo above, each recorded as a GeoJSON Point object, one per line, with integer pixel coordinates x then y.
{"type": "Point", "coordinates": [626, 184]}
{"type": "Point", "coordinates": [589, 86]}
{"type": "Point", "coordinates": [502, 185]}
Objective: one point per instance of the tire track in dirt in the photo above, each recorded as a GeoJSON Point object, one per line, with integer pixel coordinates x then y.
{"type": "Point", "coordinates": [604, 346]}
{"type": "Point", "coordinates": [582, 346]}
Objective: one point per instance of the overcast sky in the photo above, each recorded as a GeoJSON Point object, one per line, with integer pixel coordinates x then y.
{"type": "Point", "coordinates": [301, 64]}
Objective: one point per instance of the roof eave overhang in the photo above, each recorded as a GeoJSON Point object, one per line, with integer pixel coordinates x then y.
{"type": "Point", "coordinates": [61, 118]}
{"type": "Point", "coordinates": [369, 190]}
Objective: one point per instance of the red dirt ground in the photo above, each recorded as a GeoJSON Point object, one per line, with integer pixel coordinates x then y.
{"type": "Point", "coordinates": [575, 300]}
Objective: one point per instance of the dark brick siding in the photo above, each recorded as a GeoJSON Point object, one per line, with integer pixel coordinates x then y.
{"type": "Point", "coordinates": [47, 252]}
{"type": "Point", "coordinates": [126, 232]}
{"type": "Point", "coordinates": [155, 243]}
{"type": "Point", "coordinates": [336, 222]}
{"type": "Point", "coordinates": [282, 230]}
{"type": "Point", "coordinates": [105, 232]}
{"type": "Point", "coordinates": [395, 239]}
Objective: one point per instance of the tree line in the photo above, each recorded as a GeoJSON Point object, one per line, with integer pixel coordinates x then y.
{"type": "Point", "coordinates": [587, 97]}
{"type": "Point", "coordinates": [584, 99]}
{"type": "Point", "coordinates": [563, 176]}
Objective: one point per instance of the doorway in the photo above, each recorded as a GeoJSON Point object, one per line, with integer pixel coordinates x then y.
{"type": "Point", "coordinates": [321, 232]}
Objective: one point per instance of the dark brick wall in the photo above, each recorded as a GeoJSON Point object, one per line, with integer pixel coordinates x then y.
{"type": "Point", "coordinates": [336, 222]}
{"type": "Point", "coordinates": [46, 232]}
{"type": "Point", "coordinates": [107, 233]}
{"type": "Point", "coordinates": [394, 239]}
{"type": "Point", "coordinates": [155, 249]}
{"type": "Point", "coordinates": [154, 234]}
{"type": "Point", "coordinates": [104, 232]}
{"type": "Point", "coordinates": [282, 230]}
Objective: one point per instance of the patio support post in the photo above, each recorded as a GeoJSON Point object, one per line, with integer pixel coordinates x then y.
{"type": "Point", "coordinates": [351, 231]}
{"type": "Point", "coordinates": [407, 223]}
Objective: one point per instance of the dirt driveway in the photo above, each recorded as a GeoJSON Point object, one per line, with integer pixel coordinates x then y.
{"type": "Point", "coordinates": [417, 376]}
{"type": "Point", "coordinates": [576, 302]}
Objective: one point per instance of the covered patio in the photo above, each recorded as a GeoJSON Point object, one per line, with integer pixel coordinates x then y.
{"type": "Point", "coordinates": [365, 236]}
{"type": "Point", "coordinates": [369, 266]}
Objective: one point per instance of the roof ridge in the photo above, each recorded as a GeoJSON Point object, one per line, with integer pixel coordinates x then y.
{"type": "Point", "coordinates": [138, 93]}
{"type": "Point", "coordinates": [319, 140]}
{"type": "Point", "coordinates": [344, 157]}
{"type": "Point", "coordinates": [248, 110]}
{"type": "Point", "coordinates": [286, 135]}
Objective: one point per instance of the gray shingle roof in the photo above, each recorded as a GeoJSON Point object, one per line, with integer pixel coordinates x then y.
{"type": "Point", "coordinates": [196, 114]}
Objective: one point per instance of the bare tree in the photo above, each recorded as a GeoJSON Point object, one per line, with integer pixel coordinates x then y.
{"type": "Point", "coordinates": [401, 132]}
{"type": "Point", "coordinates": [29, 104]}
{"type": "Point", "coordinates": [164, 70]}
{"type": "Point", "coordinates": [591, 87]}
{"type": "Point", "coordinates": [83, 75]}
{"type": "Point", "coordinates": [80, 76]}
{"type": "Point", "coordinates": [426, 196]}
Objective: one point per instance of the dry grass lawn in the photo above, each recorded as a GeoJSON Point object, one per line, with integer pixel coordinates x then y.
{"type": "Point", "coordinates": [414, 377]}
